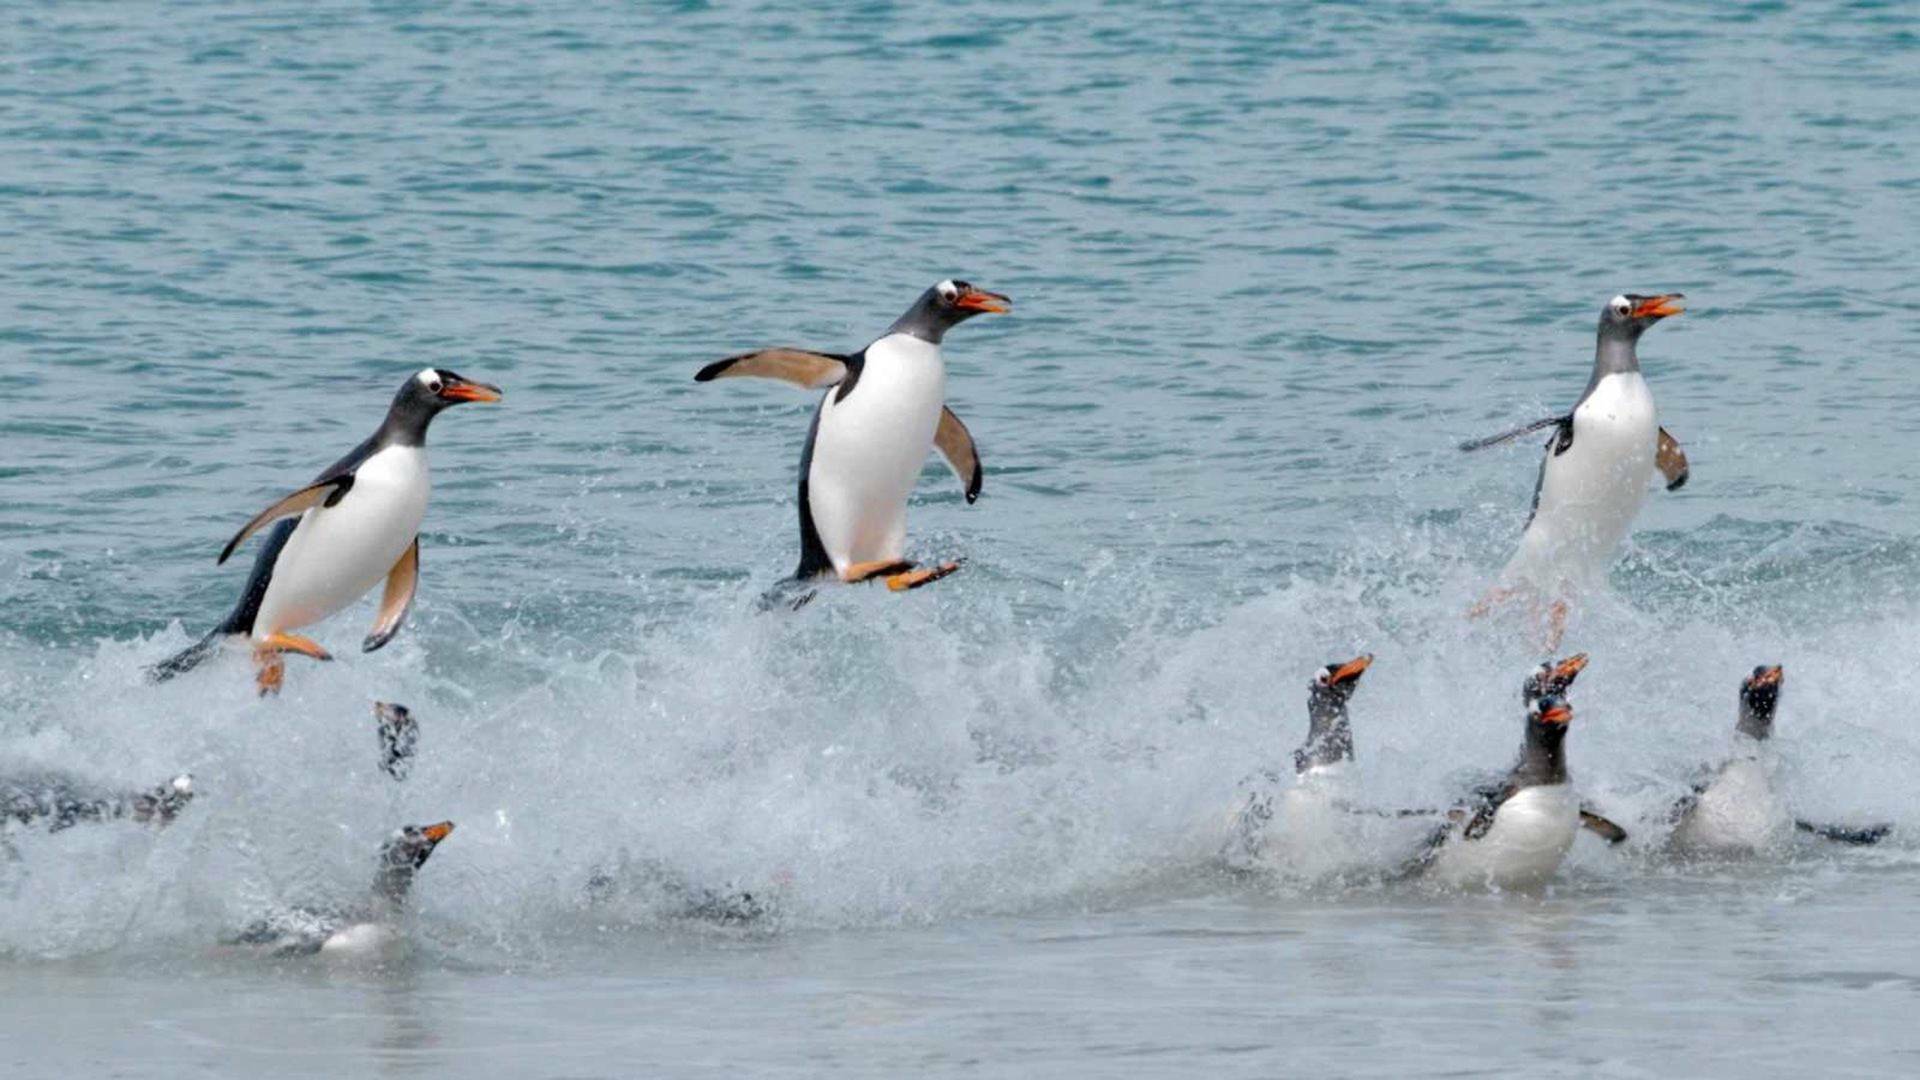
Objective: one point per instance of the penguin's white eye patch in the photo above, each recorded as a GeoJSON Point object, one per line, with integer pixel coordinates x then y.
{"type": "Point", "coordinates": [948, 290]}
{"type": "Point", "coordinates": [1322, 678]}
{"type": "Point", "coordinates": [1620, 305]}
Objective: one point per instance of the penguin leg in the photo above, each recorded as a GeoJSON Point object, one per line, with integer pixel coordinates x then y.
{"type": "Point", "coordinates": [267, 657]}
{"type": "Point", "coordinates": [866, 571]}
{"type": "Point", "coordinates": [913, 579]}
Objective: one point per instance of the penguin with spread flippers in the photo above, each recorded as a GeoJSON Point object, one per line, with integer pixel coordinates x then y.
{"type": "Point", "coordinates": [1319, 768]}
{"type": "Point", "coordinates": [367, 928]}
{"type": "Point", "coordinates": [1513, 831]}
{"type": "Point", "coordinates": [1596, 469]}
{"type": "Point", "coordinates": [884, 408]}
{"type": "Point", "coordinates": [57, 800]}
{"type": "Point", "coordinates": [334, 539]}
{"type": "Point", "coordinates": [1737, 808]}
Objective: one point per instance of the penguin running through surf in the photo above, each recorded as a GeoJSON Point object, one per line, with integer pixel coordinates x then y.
{"type": "Point", "coordinates": [1737, 809]}
{"type": "Point", "coordinates": [369, 928]}
{"type": "Point", "coordinates": [884, 407]}
{"type": "Point", "coordinates": [357, 524]}
{"type": "Point", "coordinates": [1514, 832]}
{"type": "Point", "coordinates": [1307, 808]}
{"type": "Point", "coordinates": [1597, 467]}
{"type": "Point", "coordinates": [60, 801]}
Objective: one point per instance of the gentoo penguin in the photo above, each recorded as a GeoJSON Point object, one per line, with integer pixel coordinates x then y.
{"type": "Point", "coordinates": [1319, 765]}
{"type": "Point", "coordinates": [1594, 475]}
{"type": "Point", "coordinates": [1513, 834]}
{"type": "Point", "coordinates": [1737, 809]}
{"type": "Point", "coordinates": [60, 801]}
{"type": "Point", "coordinates": [884, 407]}
{"type": "Point", "coordinates": [399, 734]}
{"type": "Point", "coordinates": [366, 928]}
{"type": "Point", "coordinates": [355, 525]}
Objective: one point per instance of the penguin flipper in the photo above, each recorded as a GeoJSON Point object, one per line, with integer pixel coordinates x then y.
{"type": "Point", "coordinates": [1602, 827]}
{"type": "Point", "coordinates": [956, 445]}
{"type": "Point", "coordinates": [1508, 436]}
{"type": "Point", "coordinates": [1872, 834]}
{"type": "Point", "coordinates": [321, 493]}
{"type": "Point", "coordinates": [812, 370]}
{"type": "Point", "coordinates": [1672, 461]}
{"type": "Point", "coordinates": [402, 582]}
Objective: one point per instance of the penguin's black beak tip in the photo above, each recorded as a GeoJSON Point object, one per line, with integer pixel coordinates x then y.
{"type": "Point", "coordinates": [981, 300]}
{"type": "Point", "coordinates": [1659, 307]}
{"type": "Point", "coordinates": [465, 390]}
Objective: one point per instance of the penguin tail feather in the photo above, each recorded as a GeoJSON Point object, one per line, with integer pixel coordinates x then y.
{"type": "Point", "coordinates": [188, 658]}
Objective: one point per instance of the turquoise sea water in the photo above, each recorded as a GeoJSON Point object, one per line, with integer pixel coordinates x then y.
{"type": "Point", "coordinates": [1269, 263]}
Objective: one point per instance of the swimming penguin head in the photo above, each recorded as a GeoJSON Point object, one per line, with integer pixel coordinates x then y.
{"type": "Point", "coordinates": [1552, 677]}
{"type": "Point", "coordinates": [1629, 314]}
{"type": "Point", "coordinates": [164, 803]}
{"type": "Point", "coordinates": [1759, 696]}
{"type": "Point", "coordinates": [424, 396]}
{"type": "Point", "coordinates": [1329, 738]}
{"type": "Point", "coordinates": [946, 305]}
{"type": "Point", "coordinates": [405, 852]}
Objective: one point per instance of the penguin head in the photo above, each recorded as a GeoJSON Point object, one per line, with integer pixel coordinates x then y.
{"type": "Point", "coordinates": [1548, 717]}
{"type": "Point", "coordinates": [164, 803]}
{"type": "Point", "coordinates": [1336, 682]}
{"type": "Point", "coordinates": [403, 853]}
{"type": "Point", "coordinates": [422, 397]}
{"type": "Point", "coordinates": [1759, 697]}
{"type": "Point", "coordinates": [946, 305]}
{"type": "Point", "coordinates": [1552, 677]}
{"type": "Point", "coordinates": [1629, 314]}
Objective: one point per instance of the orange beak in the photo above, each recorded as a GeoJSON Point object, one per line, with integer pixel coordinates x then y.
{"type": "Point", "coordinates": [1351, 669]}
{"type": "Point", "coordinates": [437, 833]}
{"type": "Point", "coordinates": [1571, 666]}
{"type": "Point", "coordinates": [1658, 307]}
{"type": "Point", "coordinates": [982, 300]}
{"type": "Point", "coordinates": [1559, 714]}
{"type": "Point", "coordinates": [1770, 677]}
{"type": "Point", "coordinates": [470, 391]}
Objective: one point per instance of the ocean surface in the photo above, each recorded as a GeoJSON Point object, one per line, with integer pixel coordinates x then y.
{"type": "Point", "coordinates": [1270, 263]}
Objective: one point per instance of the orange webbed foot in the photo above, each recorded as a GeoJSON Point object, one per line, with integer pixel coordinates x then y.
{"type": "Point", "coordinates": [913, 579]}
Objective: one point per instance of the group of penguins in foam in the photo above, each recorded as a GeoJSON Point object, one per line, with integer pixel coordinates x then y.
{"type": "Point", "coordinates": [356, 525]}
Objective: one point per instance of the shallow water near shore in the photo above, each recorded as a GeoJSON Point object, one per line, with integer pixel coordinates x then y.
{"type": "Point", "coordinates": [1269, 264]}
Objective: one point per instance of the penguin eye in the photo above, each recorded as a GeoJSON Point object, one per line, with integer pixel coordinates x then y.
{"type": "Point", "coordinates": [1619, 305]}
{"type": "Point", "coordinates": [435, 385]}
{"type": "Point", "coordinates": [1322, 678]}
{"type": "Point", "coordinates": [948, 290]}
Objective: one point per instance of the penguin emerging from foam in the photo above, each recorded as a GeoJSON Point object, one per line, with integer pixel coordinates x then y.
{"type": "Point", "coordinates": [368, 928]}
{"type": "Point", "coordinates": [1595, 473]}
{"type": "Point", "coordinates": [399, 736]}
{"type": "Point", "coordinates": [59, 800]}
{"type": "Point", "coordinates": [354, 526]}
{"type": "Point", "coordinates": [1737, 809]}
{"type": "Point", "coordinates": [1320, 766]}
{"type": "Point", "coordinates": [1513, 833]}
{"type": "Point", "coordinates": [884, 408]}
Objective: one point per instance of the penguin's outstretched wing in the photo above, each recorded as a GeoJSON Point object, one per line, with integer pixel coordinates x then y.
{"type": "Point", "coordinates": [320, 493]}
{"type": "Point", "coordinates": [1672, 461]}
{"type": "Point", "coordinates": [397, 600]}
{"type": "Point", "coordinates": [956, 445]}
{"type": "Point", "coordinates": [1602, 826]}
{"type": "Point", "coordinates": [1508, 436]}
{"type": "Point", "coordinates": [1871, 834]}
{"type": "Point", "coordinates": [812, 370]}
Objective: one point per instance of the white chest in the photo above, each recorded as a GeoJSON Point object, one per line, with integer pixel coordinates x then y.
{"type": "Point", "coordinates": [1740, 812]}
{"type": "Point", "coordinates": [870, 446]}
{"type": "Point", "coordinates": [1524, 847]}
{"type": "Point", "coordinates": [339, 552]}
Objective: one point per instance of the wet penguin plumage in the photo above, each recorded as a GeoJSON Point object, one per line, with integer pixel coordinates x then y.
{"type": "Point", "coordinates": [1317, 763]}
{"type": "Point", "coordinates": [884, 408]}
{"type": "Point", "coordinates": [331, 541]}
{"type": "Point", "coordinates": [362, 929]}
{"type": "Point", "coordinates": [1737, 807]}
{"type": "Point", "coordinates": [1597, 466]}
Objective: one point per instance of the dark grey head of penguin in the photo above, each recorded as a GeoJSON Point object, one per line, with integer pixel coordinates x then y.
{"type": "Point", "coordinates": [424, 396]}
{"type": "Point", "coordinates": [1759, 697]}
{"type": "Point", "coordinates": [405, 852]}
{"type": "Point", "coordinates": [1622, 321]}
{"type": "Point", "coordinates": [1552, 677]}
{"type": "Point", "coordinates": [945, 306]}
{"type": "Point", "coordinates": [1329, 736]}
{"type": "Point", "coordinates": [1541, 760]}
